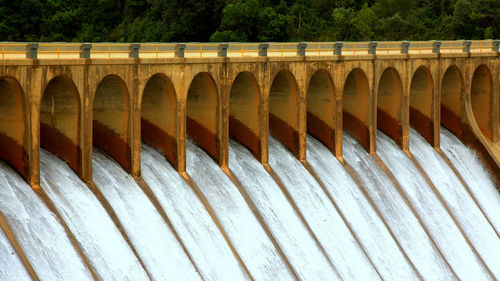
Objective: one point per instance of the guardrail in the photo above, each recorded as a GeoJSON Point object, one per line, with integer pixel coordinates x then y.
{"type": "Point", "coordinates": [15, 50]}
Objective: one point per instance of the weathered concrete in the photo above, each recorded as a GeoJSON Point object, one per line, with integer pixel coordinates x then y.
{"type": "Point", "coordinates": [69, 105]}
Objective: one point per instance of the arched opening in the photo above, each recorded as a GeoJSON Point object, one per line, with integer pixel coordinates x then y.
{"type": "Point", "coordinates": [60, 121]}
{"type": "Point", "coordinates": [14, 142]}
{"type": "Point", "coordinates": [111, 120]}
{"type": "Point", "coordinates": [284, 111]}
{"type": "Point", "coordinates": [480, 92]}
{"type": "Point", "coordinates": [355, 107]}
{"type": "Point", "coordinates": [451, 100]}
{"type": "Point", "coordinates": [158, 116]}
{"type": "Point", "coordinates": [389, 105]}
{"type": "Point", "coordinates": [421, 93]}
{"type": "Point", "coordinates": [321, 109]}
{"type": "Point", "coordinates": [244, 116]}
{"type": "Point", "coordinates": [202, 114]}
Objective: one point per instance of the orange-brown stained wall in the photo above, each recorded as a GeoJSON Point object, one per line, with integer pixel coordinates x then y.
{"type": "Point", "coordinates": [111, 121]}
{"type": "Point", "coordinates": [421, 96]}
{"type": "Point", "coordinates": [60, 121]}
{"type": "Point", "coordinates": [13, 126]}
{"type": "Point", "coordinates": [481, 88]}
{"type": "Point", "coordinates": [355, 107]}
{"type": "Point", "coordinates": [244, 116]}
{"type": "Point", "coordinates": [451, 100]}
{"type": "Point", "coordinates": [158, 116]}
{"type": "Point", "coordinates": [284, 112]}
{"type": "Point", "coordinates": [202, 114]}
{"type": "Point", "coordinates": [389, 105]}
{"type": "Point", "coordinates": [321, 109]}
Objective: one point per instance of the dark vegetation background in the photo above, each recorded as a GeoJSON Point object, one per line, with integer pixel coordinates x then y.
{"type": "Point", "coordinates": [247, 20]}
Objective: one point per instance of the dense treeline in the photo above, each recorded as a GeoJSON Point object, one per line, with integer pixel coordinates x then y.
{"type": "Point", "coordinates": [247, 20]}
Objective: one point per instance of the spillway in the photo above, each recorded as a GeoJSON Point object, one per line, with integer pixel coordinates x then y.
{"type": "Point", "coordinates": [11, 266]}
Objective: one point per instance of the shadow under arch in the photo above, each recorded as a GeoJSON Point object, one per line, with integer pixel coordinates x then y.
{"type": "Point", "coordinates": [356, 107]}
{"type": "Point", "coordinates": [321, 108]}
{"type": "Point", "coordinates": [390, 105]}
{"type": "Point", "coordinates": [480, 96]}
{"type": "Point", "coordinates": [245, 114]}
{"type": "Point", "coordinates": [202, 114]}
{"type": "Point", "coordinates": [14, 112]}
{"type": "Point", "coordinates": [284, 110]}
{"type": "Point", "coordinates": [111, 120]}
{"type": "Point", "coordinates": [451, 100]}
{"type": "Point", "coordinates": [60, 116]}
{"type": "Point", "coordinates": [159, 116]}
{"type": "Point", "coordinates": [421, 103]}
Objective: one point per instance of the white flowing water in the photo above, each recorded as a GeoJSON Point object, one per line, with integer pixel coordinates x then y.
{"type": "Point", "coordinates": [468, 215]}
{"type": "Point", "coordinates": [398, 216]}
{"type": "Point", "coordinates": [441, 227]}
{"type": "Point", "coordinates": [285, 225]}
{"type": "Point", "coordinates": [321, 215]}
{"type": "Point", "coordinates": [11, 266]}
{"type": "Point", "coordinates": [359, 213]}
{"type": "Point", "coordinates": [191, 220]}
{"type": "Point", "coordinates": [473, 172]}
{"type": "Point", "coordinates": [154, 242]}
{"type": "Point", "coordinates": [246, 234]}
{"type": "Point", "coordinates": [100, 240]}
{"type": "Point", "coordinates": [41, 237]}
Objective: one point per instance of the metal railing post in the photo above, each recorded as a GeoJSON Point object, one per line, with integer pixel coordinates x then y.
{"type": "Point", "coordinates": [302, 49]}
{"type": "Point", "coordinates": [223, 50]}
{"type": "Point", "coordinates": [436, 47]}
{"type": "Point", "coordinates": [85, 50]}
{"type": "Point", "coordinates": [467, 44]}
{"type": "Point", "coordinates": [372, 47]}
{"type": "Point", "coordinates": [263, 49]}
{"type": "Point", "coordinates": [134, 50]}
{"type": "Point", "coordinates": [179, 50]}
{"type": "Point", "coordinates": [32, 50]}
{"type": "Point", "coordinates": [496, 43]}
{"type": "Point", "coordinates": [338, 48]}
{"type": "Point", "coordinates": [405, 46]}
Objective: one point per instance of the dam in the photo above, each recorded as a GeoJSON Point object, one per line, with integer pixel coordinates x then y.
{"type": "Point", "coordinates": [250, 161]}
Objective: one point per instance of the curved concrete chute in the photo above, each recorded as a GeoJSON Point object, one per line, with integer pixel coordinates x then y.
{"type": "Point", "coordinates": [244, 113]}
{"type": "Point", "coordinates": [481, 88]}
{"type": "Point", "coordinates": [111, 120]}
{"type": "Point", "coordinates": [356, 107]}
{"type": "Point", "coordinates": [158, 116]}
{"type": "Point", "coordinates": [390, 105]}
{"type": "Point", "coordinates": [14, 142]}
{"type": "Point", "coordinates": [284, 111]}
{"type": "Point", "coordinates": [202, 115]}
{"type": "Point", "coordinates": [451, 100]}
{"type": "Point", "coordinates": [321, 109]}
{"type": "Point", "coordinates": [60, 121]}
{"type": "Point", "coordinates": [421, 103]}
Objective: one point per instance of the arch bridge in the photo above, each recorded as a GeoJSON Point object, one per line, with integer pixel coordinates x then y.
{"type": "Point", "coordinates": [68, 98]}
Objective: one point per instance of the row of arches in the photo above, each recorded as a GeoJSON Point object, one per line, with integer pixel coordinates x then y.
{"type": "Point", "coordinates": [61, 112]}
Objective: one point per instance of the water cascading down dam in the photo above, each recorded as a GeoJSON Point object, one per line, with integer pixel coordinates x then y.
{"type": "Point", "coordinates": [272, 161]}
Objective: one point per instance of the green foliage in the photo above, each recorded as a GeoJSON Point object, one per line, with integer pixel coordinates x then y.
{"type": "Point", "coordinates": [247, 20]}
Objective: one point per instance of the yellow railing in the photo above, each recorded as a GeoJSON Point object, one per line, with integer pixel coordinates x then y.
{"type": "Point", "coordinates": [4, 51]}
{"type": "Point", "coordinates": [483, 45]}
{"type": "Point", "coordinates": [242, 48]}
{"type": "Point", "coordinates": [282, 49]}
{"type": "Point", "coordinates": [109, 51]}
{"type": "Point", "coordinates": [452, 46]}
{"type": "Point", "coordinates": [59, 51]}
{"type": "Point", "coordinates": [355, 47]}
{"type": "Point", "coordinates": [389, 47]}
{"type": "Point", "coordinates": [319, 49]}
{"type": "Point", "coordinates": [420, 46]}
{"type": "Point", "coordinates": [201, 48]}
{"type": "Point", "coordinates": [157, 50]}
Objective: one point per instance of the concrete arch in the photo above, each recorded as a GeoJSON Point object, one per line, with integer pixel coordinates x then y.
{"type": "Point", "coordinates": [111, 120]}
{"type": "Point", "coordinates": [321, 108]}
{"type": "Point", "coordinates": [14, 112]}
{"type": "Point", "coordinates": [202, 114]}
{"type": "Point", "coordinates": [283, 110]}
{"type": "Point", "coordinates": [356, 107]}
{"type": "Point", "coordinates": [245, 120]}
{"type": "Point", "coordinates": [421, 103]}
{"type": "Point", "coordinates": [451, 100]}
{"type": "Point", "coordinates": [390, 105]}
{"type": "Point", "coordinates": [60, 115]}
{"type": "Point", "coordinates": [159, 116]}
{"type": "Point", "coordinates": [481, 95]}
